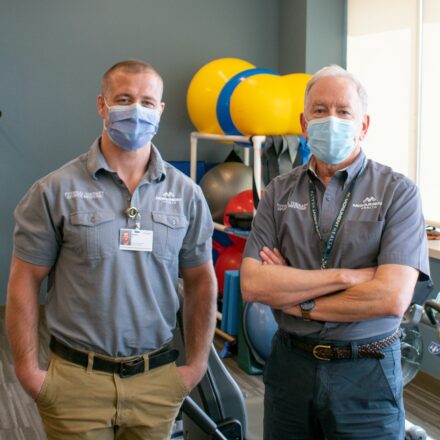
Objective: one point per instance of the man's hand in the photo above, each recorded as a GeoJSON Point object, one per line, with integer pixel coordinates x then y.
{"type": "Point", "coordinates": [32, 381]}
{"type": "Point", "coordinates": [191, 375]}
{"type": "Point", "coordinates": [274, 256]}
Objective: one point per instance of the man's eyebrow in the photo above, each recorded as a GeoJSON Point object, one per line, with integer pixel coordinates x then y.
{"type": "Point", "coordinates": [120, 95]}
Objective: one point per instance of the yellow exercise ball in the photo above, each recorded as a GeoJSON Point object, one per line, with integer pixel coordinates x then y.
{"type": "Point", "coordinates": [296, 84]}
{"type": "Point", "coordinates": [262, 105]}
{"type": "Point", "coordinates": [205, 88]}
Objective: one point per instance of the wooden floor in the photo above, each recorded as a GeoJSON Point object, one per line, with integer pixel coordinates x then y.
{"type": "Point", "coordinates": [19, 419]}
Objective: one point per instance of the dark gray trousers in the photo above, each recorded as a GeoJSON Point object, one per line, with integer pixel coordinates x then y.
{"type": "Point", "coordinates": [311, 399]}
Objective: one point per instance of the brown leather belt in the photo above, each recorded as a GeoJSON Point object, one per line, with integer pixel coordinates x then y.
{"type": "Point", "coordinates": [127, 368]}
{"type": "Point", "coordinates": [327, 352]}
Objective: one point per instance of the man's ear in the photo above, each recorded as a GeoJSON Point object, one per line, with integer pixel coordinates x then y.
{"type": "Point", "coordinates": [100, 104]}
{"type": "Point", "coordinates": [365, 125]}
{"type": "Point", "coordinates": [303, 125]}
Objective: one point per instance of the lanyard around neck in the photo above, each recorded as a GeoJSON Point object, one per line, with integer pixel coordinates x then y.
{"type": "Point", "coordinates": [338, 220]}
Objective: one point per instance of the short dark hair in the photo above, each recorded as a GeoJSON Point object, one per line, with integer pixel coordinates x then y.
{"type": "Point", "coordinates": [131, 66]}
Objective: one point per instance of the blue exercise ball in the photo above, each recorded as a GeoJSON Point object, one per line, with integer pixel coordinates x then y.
{"type": "Point", "coordinates": [259, 326]}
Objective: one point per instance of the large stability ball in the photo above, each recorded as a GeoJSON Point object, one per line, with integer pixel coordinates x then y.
{"type": "Point", "coordinates": [259, 326]}
{"type": "Point", "coordinates": [296, 84]}
{"type": "Point", "coordinates": [221, 183]}
{"type": "Point", "coordinates": [205, 88]}
{"type": "Point", "coordinates": [232, 96]}
{"type": "Point", "coordinates": [262, 105]}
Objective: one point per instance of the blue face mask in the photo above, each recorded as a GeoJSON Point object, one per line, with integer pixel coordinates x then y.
{"type": "Point", "coordinates": [331, 139]}
{"type": "Point", "coordinates": [132, 126]}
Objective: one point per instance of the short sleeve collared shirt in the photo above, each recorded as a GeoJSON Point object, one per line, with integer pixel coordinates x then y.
{"type": "Point", "coordinates": [383, 224]}
{"type": "Point", "coordinates": [101, 298]}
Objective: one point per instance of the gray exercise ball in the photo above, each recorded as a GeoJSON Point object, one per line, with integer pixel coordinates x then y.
{"type": "Point", "coordinates": [221, 183]}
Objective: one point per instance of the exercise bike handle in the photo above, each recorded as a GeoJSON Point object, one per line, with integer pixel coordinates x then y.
{"type": "Point", "coordinates": [430, 306]}
{"type": "Point", "coordinates": [201, 419]}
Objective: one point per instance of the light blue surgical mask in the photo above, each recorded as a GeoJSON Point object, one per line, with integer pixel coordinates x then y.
{"type": "Point", "coordinates": [331, 139]}
{"type": "Point", "coordinates": [131, 126]}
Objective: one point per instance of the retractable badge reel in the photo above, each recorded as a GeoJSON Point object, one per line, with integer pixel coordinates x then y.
{"type": "Point", "coordinates": [136, 239]}
{"type": "Point", "coordinates": [134, 214]}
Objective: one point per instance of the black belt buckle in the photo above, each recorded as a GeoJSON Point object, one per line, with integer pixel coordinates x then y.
{"type": "Point", "coordinates": [131, 367]}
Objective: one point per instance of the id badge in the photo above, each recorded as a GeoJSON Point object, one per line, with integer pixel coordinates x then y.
{"type": "Point", "coordinates": [139, 240]}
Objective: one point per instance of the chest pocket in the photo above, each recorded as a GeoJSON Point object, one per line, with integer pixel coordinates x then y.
{"type": "Point", "coordinates": [168, 233]}
{"type": "Point", "coordinates": [93, 233]}
{"type": "Point", "coordinates": [361, 243]}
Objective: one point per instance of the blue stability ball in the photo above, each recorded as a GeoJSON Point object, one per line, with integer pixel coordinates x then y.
{"type": "Point", "coordinates": [259, 326]}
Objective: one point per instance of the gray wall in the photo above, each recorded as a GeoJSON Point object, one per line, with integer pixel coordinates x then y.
{"type": "Point", "coordinates": [312, 34]}
{"type": "Point", "coordinates": [53, 53]}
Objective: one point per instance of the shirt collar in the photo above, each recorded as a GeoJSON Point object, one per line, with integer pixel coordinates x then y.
{"type": "Point", "coordinates": [96, 162]}
{"type": "Point", "coordinates": [353, 169]}
{"type": "Point", "coordinates": [347, 173]}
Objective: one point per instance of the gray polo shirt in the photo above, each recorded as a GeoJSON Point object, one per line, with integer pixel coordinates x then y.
{"type": "Point", "coordinates": [101, 298]}
{"type": "Point", "coordinates": [383, 224]}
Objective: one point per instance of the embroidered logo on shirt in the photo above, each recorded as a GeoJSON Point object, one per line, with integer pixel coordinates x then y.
{"type": "Point", "coordinates": [368, 203]}
{"type": "Point", "coordinates": [83, 195]}
{"type": "Point", "coordinates": [293, 205]}
{"type": "Point", "coordinates": [169, 198]}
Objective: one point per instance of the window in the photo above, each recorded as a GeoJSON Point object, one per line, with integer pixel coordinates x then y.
{"type": "Point", "coordinates": [392, 46]}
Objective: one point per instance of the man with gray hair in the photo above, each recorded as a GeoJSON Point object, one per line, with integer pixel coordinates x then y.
{"type": "Point", "coordinates": [112, 230]}
{"type": "Point", "coordinates": [336, 249]}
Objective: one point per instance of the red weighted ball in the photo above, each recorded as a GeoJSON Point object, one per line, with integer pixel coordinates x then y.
{"type": "Point", "coordinates": [229, 259]}
{"type": "Point", "coordinates": [242, 202]}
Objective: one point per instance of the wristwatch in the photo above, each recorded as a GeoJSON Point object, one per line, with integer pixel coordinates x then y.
{"type": "Point", "coordinates": [306, 308]}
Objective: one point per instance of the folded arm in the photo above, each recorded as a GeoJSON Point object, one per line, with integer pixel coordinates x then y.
{"type": "Point", "coordinates": [280, 286]}
{"type": "Point", "coordinates": [389, 293]}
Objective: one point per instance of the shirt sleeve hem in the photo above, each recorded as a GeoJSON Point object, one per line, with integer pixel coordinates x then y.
{"type": "Point", "coordinates": [195, 261]}
{"type": "Point", "coordinates": [33, 259]}
{"type": "Point", "coordinates": [405, 261]}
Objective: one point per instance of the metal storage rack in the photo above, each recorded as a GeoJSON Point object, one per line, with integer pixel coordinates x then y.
{"type": "Point", "coordinates": [246, 142]}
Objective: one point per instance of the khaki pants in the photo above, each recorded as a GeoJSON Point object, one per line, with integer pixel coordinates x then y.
{"type": "Point", "coordinates": [78, 403]}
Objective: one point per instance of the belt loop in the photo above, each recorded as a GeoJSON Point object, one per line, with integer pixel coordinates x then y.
{"type": "Point", "coordinates": [90, 360]}
{"type": "Point", "coordinates": [146, 362]}
{"type": "Point", "coordinates": [354, 350]}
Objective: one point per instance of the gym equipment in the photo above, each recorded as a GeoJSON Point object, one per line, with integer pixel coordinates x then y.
{"type": "Point", "coordinates": [205, 88]}
{"type": "Point", "coordinates": [411, 339]}
{"type": "Point", "coordinates": [241, 202]}
{"type": "Point", "coordinates": [239, 213]}
{"type": "Point", "coordinates": [257, 317]}
{"type": "Point", "coordinates": [221, 183]}
{"type": "Point", "coordinates": [297, 83]}
{"type": "Point", "coordinates": [231, 299]}
{"type": "Point", "coordinates": [246, 99]}
{"type": "Point", "coordinates": [216, 407]}
{"type": "Point", "coordinates": [229, 259]}
{"type": "Point", "coordinates": [429, 313]}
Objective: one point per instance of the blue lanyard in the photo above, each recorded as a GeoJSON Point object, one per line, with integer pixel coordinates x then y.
{"type": "Point", "coordinates": [338, 220]}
